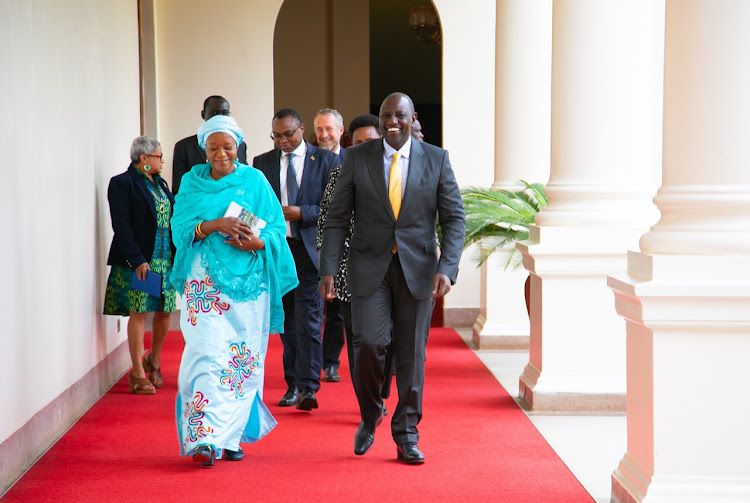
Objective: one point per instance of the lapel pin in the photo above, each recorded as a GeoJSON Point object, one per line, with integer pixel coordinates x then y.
{"type": "Point", "coordinates": [312, 157]}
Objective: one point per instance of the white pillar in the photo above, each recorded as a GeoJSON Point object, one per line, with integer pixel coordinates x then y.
{"type": "Point", "coordinates": [607, 76]}
{"type": "Point", "coordinates": [523, 54]}
{"type": "Point", "coordinates": [686, 294]}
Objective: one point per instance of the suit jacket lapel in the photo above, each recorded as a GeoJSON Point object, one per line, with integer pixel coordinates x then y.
{"type": "Point", "coordinates": [375, 168]}
{"type": "Point", "coordinates": [307, 170]}
{"type": "Point", "coordinates": [416, 171]}
{"type": "Point", "coordinates": [275, 172]}
{"type": "Point", "coordinates": [141, 185]}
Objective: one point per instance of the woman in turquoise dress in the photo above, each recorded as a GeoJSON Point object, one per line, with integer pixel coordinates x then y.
{"type": "Point", "coordinates": [140, 205]}
{"type": "Point", "coordinates": [232, 277]}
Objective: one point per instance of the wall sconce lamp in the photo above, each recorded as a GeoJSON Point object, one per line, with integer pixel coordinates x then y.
{"type": "Point", "coordinates": [424, 20]}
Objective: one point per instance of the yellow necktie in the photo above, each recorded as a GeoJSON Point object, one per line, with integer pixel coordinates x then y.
{"type": "Point", "coordinates": [394, 186]}
{"type": "Point", "coordinates": [394, 190]}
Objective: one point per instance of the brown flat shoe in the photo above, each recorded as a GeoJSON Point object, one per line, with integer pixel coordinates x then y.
{"type": "Point", "coordinates": [154, 373]}
{"type": "Point", "coordinates": [140, 385]}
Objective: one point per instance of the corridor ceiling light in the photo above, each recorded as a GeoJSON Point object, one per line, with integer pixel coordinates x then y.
{"type": "Point", "coordinates": [424, 20]}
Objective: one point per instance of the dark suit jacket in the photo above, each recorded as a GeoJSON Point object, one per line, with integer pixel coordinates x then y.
{"type": "Point", "coordinates": [431, 191]}
{"type": "Point", "coordinates": [318, 165]}
{"type": "Point", "coordinates": [187, 153]}
{"type": "Point", "coordinates": [133, 213]}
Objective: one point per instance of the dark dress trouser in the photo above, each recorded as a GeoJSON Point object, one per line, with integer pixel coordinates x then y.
{"type": "Point", "coordinates": [303, 319]}
{"type": "Point", "coordinates": [385, 392]}
{"type": "Point", "coordinates": [391, 308]}
{"type": "Point", "coordinates": [333, 334]}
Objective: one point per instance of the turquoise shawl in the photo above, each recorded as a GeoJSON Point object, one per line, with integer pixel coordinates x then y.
{"type": "Point", "coordinates": [240, 274]}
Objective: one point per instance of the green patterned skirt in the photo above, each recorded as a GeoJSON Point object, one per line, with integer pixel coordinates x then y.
{"type": "Point", "coordinates": [121, 298]}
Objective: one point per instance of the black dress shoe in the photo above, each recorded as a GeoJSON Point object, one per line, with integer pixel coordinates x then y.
{"type": "Point", "coordinates": [410, 454]}
{"type": "Point", "coordinates": [307, 400]}
{"type": "Point", "coordinates": [233, 455]}
{"type": "Point", "coordinates": [205, 455]}
{"type": "Point", "coordinates": [364, 438]}
{"type": "Point", "coordinates": [330, 374]}
{"type": "Point", "coordinates": [290, 397]}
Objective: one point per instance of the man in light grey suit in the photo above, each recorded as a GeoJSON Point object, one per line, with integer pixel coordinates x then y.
{"type": "Point", "coordinates": [397, 188]}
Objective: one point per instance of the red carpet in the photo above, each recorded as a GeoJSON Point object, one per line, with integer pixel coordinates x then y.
{"type": "Point", "coordinates": [478, 445]}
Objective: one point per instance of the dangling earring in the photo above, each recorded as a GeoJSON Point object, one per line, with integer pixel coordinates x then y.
{"type": "Point", "coordinates": [146, 168]}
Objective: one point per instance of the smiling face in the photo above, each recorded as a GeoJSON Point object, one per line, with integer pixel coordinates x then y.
{"type": "Point", "coordinates": [396, 117]}
{"type": "Point", "coordinates": [287, 133]}
{"type": "Point", "coordinates": [221, 151]}
{"type": "Point", "coordinates": [327, 131]}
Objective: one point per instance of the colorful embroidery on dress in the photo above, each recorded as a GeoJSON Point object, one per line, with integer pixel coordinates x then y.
{"type": "Point", "coordinates": [194, 414]}
{"type": "Point", "coordinates": [202, 297]}
{"type": "Point", "coordinates": [241, 367]}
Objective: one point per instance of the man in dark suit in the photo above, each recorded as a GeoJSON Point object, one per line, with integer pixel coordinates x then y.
{"type": "Point", "coordinates": [298, 173]}
{"type": "Point", "coordinates": [329, 126]}
{"type": "Point", "coordinates": [396, 187]}
{"type": "Point", "coordinates": [187, 152]}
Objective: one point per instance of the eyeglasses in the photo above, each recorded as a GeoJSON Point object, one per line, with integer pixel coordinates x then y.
{"type": "Point", "coordinates": [160, 156]}
{"type": "Point", "coordinates": [288, 135]}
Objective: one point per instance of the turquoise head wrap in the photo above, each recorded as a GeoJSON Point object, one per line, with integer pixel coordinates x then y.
{"type": "Point", "coordinates": [219, 124]}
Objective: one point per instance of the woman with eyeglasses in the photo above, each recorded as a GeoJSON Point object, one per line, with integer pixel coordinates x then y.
{"type": "Point", "coordinates": [140, 204]}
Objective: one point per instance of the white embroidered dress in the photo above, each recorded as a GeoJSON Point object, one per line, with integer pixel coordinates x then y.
{"type": "Point", "coordinates": [220, 397]}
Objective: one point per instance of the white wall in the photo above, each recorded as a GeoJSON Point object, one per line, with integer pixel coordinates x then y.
{"type": "Point", "coordinates": [468, 111]}
{"type": "Point", "coordinates": [69, 90]}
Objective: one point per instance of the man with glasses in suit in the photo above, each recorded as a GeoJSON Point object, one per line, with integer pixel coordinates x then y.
{"type": "Point", "coordinates": [298, 173]}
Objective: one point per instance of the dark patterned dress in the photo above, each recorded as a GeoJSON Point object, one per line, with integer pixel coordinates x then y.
{"type": "Point", "coordinates": [340, 283]}
{"type": "Point", "coordinates": [121, 298]}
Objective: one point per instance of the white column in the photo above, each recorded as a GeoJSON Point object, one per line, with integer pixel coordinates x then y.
{"type": "Point", "coordinates": [686, 294]}
{"type": "Point", "coordinates": [607, 80]}
{"type": "Point", "coordinates": [523, 54]}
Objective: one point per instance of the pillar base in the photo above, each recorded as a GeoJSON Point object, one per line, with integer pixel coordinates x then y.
{"type": "Point", "coordinates": [488, 335]}
{"type": "Point", "coordinates": [684, 490]}
{"type": "Point", "coordinates": [629, 481]}
{"type": "Point", "coordinates": [503, 320]}
{"type": "Point", "coordinates": [577, 340]}
{"type": "Point", "coordinates": [568, 394]}
{"type": "Point", "coordinates": [688, 337]}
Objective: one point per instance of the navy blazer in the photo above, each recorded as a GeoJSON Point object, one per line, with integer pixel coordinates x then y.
{"type": "Point", "coordinates": [187, 153]}
{"type": "Point", "coordinates": [318, 165]}
{"type": "Point", "coordinates": [133, 213]}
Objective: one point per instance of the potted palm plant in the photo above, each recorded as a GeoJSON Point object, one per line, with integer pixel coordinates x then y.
{"type": "Point", "coordinates": [497, 219]}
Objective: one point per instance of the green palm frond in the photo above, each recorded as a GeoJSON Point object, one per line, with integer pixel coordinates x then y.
{"type": "Point", "coordinates": [496, 219]}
